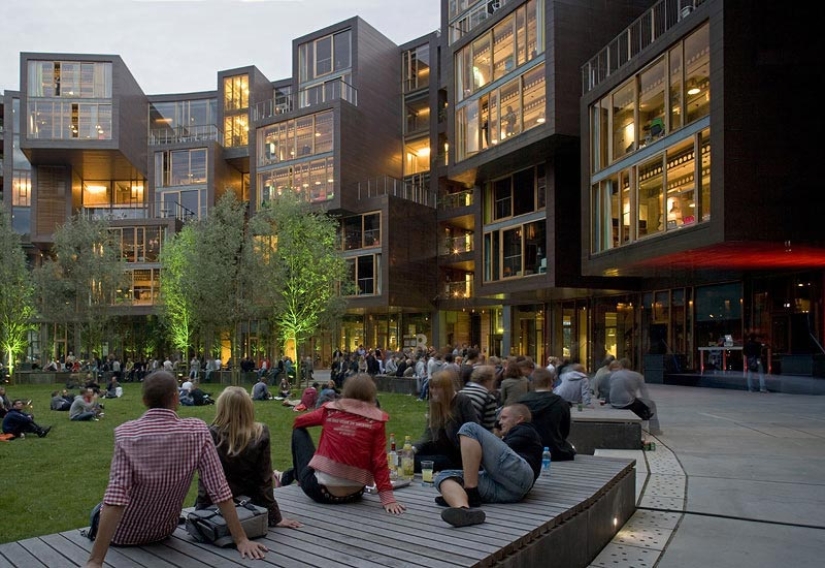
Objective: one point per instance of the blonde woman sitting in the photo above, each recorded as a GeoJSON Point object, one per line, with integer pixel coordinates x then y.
{"type": "Point", "coordinates": [244, 449]}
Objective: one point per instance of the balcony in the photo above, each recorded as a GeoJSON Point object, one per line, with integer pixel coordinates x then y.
{"type": "Point", "coordinates": [418, 193]}
{"type": "Point", "coordinates": [114, 213]}
{"type": "Point", "coordinates": [644, 31]}
{"type": "Point", "coordinates": [180, 134]}
{"type": "Point", "coordinates": [456, 200]}
{"type": "Point", "coordinates": [457, 245]}
{"type": "Point", "coordinates": [334, 89]}
{"type": "Point", "coordinates": [458, 290]}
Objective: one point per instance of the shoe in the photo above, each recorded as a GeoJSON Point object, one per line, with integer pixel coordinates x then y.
{"type": "Point", "coordinates": [276, 478]}
{"type": "Point", "coordinates": [44, 432]}
{"type": "Point", "coordinates": [287, 477]}
{"type": "Point", "coordinates": [462, 516]}
{"type": "Point", "coordinates": [764, 391]}
{"type": "Point", "coordinates": [441, 502]}
{"type": "Point", "coordinates": [278, 398]}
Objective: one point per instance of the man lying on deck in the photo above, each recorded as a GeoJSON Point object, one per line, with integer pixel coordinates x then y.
{"type": "Point", "coordinates": [511, 465]}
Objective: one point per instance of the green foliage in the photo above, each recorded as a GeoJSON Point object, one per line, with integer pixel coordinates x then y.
{"type": "Point", "coordinates": [300, 266]}
{"type": "Point", "coordinates": [78, 283]}
{"type": "Point", "coordinates": [16, 293]}
{"type": "Point", "coordinates": [177, 287]}
{"type": "Point", "coordinates": [52, 483]}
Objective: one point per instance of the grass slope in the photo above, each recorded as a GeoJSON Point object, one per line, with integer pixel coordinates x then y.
{"type": "Point", "coordinates": [50, 485]}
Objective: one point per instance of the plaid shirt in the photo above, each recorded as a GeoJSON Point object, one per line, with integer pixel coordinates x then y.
{"type": "Point", "coordinates": [152, 469]}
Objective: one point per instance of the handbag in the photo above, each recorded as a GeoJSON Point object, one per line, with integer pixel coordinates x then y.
{"type": "Point", "coordinates": [208, 525]}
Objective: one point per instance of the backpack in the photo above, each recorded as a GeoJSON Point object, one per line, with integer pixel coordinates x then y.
{"type": "Point", "coordinates": [94, 522]}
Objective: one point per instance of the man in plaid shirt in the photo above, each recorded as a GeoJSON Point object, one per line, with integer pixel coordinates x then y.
{"type": "Point", "coordinates": [152, 469]}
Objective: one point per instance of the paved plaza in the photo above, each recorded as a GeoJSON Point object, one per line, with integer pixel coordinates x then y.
{"type": "Point", "coordinates": [737, 481]}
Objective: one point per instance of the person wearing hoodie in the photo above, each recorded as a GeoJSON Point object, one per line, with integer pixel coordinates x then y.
{"type": "Point", "coordinates": [551, 415]}
{"type": "Point", "coordinates": [575, 386]}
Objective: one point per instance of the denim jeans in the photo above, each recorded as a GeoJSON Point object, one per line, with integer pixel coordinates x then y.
{"type": "Point", "coordinates": [505, 477]}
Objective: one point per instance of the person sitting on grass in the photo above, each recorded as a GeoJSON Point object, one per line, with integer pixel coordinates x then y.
{"type": "Point", "coordinates": [308, 399]}
{"type": "Point", "coordinates": [260, 391]}
{"type": "Point", "coordinates": [59, 402]}
{"type": "Point", "coordinates": [148, 483]}
{"type": "Point", "coordinates": [19, 423]}
{"type": "Point", "coordinates": [509, 467]}
{"type": "Point", "coordinates": [85, 406]}
{"type": "Point", "coordinates": [284, 390]}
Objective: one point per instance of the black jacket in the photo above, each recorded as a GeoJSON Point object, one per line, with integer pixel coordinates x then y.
{"type": "Point", "coordinates": [248, 474]}
{"type": "Point", "coordinates": [445, 441]}
{"type": "Point", "coordinates": [524, 439]}
{"type": "Point", "coordinates": [551, 416]}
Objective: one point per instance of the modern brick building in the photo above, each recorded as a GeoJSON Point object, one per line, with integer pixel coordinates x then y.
{"type": "Point", "coordinates": [538, 177]}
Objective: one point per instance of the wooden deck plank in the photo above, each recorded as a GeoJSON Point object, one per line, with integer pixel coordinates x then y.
{"type": "Point", "coordinates": [124, 555]}
{"type": "Point", "coordinates": [363, 535]}
{"type": "Point", "coordinates": [16, 555]}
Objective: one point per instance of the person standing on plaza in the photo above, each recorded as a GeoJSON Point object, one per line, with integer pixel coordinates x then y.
{"type": "Point", "coordinates": [148, 483]}
{"type": "Point", "coordinates": [752, 352]}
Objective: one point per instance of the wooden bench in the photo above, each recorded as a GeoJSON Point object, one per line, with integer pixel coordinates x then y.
{"type": "Point", "coordinates": [564, 523]}
{"type": "Point", "coordinates": [604, 427]}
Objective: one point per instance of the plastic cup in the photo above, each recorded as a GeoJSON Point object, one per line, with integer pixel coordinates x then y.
{"type": "Point", "coordinates": [427, 472]}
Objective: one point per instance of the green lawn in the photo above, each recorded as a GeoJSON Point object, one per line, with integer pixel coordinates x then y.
{"type": "Point", "coordinates": [49, 485]}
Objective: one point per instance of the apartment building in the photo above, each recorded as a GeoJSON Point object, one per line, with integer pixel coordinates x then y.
{"type": "Point", "coordinates": [537, 177]}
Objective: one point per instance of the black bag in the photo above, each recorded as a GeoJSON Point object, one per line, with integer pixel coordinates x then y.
{"type": "Point", "coordinates": [208, 525]}
{"type": "Point", "coordinates": [94, 521]}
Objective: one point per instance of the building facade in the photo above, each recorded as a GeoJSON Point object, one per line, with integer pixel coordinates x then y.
{"type": "Point", "coordinates": [537, 177]}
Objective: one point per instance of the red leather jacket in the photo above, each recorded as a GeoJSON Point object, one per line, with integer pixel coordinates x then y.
{"type": "Point", "coordinates": [352, 444]}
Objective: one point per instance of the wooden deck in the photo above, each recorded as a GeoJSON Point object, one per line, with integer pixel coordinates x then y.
{"type": "Point", "coordinates": [565, 521]}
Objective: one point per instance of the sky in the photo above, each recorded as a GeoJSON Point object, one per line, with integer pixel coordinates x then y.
{"type": "Point", "coordinates": [178, 46]}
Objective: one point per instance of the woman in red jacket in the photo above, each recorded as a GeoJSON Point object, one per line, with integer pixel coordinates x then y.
{"type": "Point", "coordinates": [351, 453]}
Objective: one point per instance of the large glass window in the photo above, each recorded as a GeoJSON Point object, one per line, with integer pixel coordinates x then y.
{"type": "Point", "coordinates": [515, 251]}
{"type": "Point", "coordinates": [415, 65]}
{"type": "Point", "coordinates": [297, 138]}
{"type": "Point", "coordinates": [236, 92]}
{"type": "Point", "coordinates": [180, 167]}
{"type": "Point", "coordinates": [361, 231]}
{"type": "Point", "coordinates": [658, 101]}
{"type": "Point", "coordinates": [70, 79]}
{"type": "Point", "coordinates": [512, 42]}
{"type": "Point", "coordinates": [325, 56]}
{"type": "Point", "coordinates": [515, 195]}
{"type": "Point", "coordinates": [516, 106]}
{"type": "Point", "coordinates": [315, 179]}
{"type": "Point", "coordinates": [236, 130]}
{"type": "Point", "coordinates": [365, 272]}
{"type": "Point", "coordinates": [697, 74]}
{"type": "Point", "coordinates": [672, 191]}
{"type": "Point", "coordinates": [57, 120]}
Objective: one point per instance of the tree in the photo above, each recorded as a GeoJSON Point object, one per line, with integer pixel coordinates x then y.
{"type": "Point", "coordinates": [221, 273]}
{"type": "Point", "coordinates": [177, 287]}
{"type": "Point", "coordinates": [16, 293]}
{"type": "Point", "coordinates": [303, 274]}
{"type": "Point", "coordinates": [76, 285]}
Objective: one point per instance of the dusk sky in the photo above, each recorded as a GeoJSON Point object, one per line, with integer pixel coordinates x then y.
{"type": "Point", "coordinates": [178, 46]}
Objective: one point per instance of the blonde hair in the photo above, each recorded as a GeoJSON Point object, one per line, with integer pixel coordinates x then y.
{"type": "Point", "coordinates": [235, 420]}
